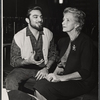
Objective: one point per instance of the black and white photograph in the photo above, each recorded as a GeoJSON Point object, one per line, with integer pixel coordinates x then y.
{"type": "Point", "coordinates": [49, 49]}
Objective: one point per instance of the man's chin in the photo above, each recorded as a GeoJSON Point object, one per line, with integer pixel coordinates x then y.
{"type": "Point", "coordinates": [40, 29]}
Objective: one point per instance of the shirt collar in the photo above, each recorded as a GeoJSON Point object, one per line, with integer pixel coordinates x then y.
{"type": "Point", "coordinates": [29, 33]}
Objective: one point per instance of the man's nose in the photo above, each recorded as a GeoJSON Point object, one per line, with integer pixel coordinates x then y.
{"type": "Point", "coordinates": [39, 19]}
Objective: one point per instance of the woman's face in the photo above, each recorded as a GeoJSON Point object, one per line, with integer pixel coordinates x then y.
{"type": "Point", "coordinates": [69, 22]}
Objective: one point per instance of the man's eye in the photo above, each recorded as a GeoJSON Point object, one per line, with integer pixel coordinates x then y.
{"type": "Point", "coordinates": [34, 16]}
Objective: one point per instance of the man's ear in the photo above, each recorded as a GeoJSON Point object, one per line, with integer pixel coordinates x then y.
{"type": "Point", "coordinates": [27, 20]}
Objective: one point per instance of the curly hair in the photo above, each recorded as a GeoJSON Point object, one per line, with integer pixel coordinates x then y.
{"type": "Point", "coordinates": [33, 8]}
{"type": "Point", "coordinates": [79, 15]}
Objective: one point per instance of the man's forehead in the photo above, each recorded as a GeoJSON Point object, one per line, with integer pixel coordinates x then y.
{"type": "Point", "coordinates": [35, 12]}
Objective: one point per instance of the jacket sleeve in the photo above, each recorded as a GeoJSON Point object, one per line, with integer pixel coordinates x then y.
{"type": "Point", "coordinates": [52, 51]}
{"type": "Point", "coordinates": [15, 55]}
{"type": "Point", "coordinates": [86, 59]}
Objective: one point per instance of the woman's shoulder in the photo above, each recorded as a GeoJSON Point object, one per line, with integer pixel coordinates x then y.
{"type": "Point", "coordinates": [85, 37]}
{"type": "Point", "coordinates": [85, 40]}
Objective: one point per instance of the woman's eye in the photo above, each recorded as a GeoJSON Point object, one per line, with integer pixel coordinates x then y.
{"type": "Point", "coordinates": [67, 19]}
{"type": "Point", "coordinates": [41, 17]}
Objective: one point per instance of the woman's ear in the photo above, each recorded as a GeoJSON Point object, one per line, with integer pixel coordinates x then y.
{"type": "Point", "coordinates": [27, 20]}
{"type": "Point", "coordinates": [77, 25]}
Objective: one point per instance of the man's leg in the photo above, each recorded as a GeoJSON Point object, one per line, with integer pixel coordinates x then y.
{"type": "Point", "coordinates": [19, 95]}
{"type": "Point", "coordinates": [16, 76]}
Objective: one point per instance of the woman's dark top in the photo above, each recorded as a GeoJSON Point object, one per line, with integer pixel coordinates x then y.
{"type": "Point", "coordinates": [80, 58]}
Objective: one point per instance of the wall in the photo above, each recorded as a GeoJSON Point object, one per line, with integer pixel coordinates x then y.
{"type": "Point", "coordinates": [15, 12]}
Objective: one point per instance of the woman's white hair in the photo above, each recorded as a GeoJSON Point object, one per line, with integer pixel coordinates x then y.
{"type": "Point", "coordinates": [79, 15]}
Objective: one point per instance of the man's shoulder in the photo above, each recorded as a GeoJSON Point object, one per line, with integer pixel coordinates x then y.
{"type": "Point", "coordinates": [46, 30]}
{"type": "Point", "coordinates": [21, 32]}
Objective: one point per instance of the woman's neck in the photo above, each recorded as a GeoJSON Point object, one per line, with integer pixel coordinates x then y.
{"type": "Point", "coordinates": [73, 35]}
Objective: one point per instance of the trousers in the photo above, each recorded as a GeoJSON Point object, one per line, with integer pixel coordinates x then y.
{"type": "Point", "coordinates": [61, 90]}
{"type": "Point", "coordinates": [19, 75]}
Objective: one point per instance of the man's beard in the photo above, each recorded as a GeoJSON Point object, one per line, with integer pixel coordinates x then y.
{"type": "Point", "coordinates": [39, 28]}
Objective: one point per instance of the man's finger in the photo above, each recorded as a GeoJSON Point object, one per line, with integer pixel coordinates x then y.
{"type": "Point", "coordinates": [40, 76]}
{"type": "Point", "coordinates": [37, 74]}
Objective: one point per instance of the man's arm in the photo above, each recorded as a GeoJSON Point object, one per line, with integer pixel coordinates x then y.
{"type": "Point", "coordinates": [51, 54]}
{"type": "Point", "coordinates": [51, 58]}
{"type": "Point", "coordinates": [15, 55]}
{"type": "Point", "coordinates": [16, 59]}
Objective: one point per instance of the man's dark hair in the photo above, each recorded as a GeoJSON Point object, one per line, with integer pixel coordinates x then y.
{"type": "Point", "coordinates": [33, 8]}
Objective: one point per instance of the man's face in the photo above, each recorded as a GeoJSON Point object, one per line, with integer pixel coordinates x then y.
{"type": "Point", "coordinates": [36, 20]}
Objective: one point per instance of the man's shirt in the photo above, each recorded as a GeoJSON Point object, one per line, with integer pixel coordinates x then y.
{"type": "Point", "coordinates": [16, 58]}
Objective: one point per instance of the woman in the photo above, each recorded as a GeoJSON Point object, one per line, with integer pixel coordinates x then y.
{"type": "Point", "coordinates": [73, 76]}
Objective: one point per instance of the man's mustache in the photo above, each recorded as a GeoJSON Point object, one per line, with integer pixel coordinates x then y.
{"type": "Point", "coordinates": [40, 22]}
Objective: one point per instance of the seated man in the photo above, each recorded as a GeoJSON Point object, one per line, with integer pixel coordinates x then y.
{"type": "Point", "coordinates": [32, 51]}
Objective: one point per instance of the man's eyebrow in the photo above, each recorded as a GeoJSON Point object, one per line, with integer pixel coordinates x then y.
{"type": "Point", "coordinates": [37, 15]}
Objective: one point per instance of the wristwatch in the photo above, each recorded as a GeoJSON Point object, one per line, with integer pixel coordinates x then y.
{"type": "Point", "coordinates": [46, 67]}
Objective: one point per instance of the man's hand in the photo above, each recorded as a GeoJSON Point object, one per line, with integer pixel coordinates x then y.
{"type": "Point", "coordinates": [53, 77]}
{"type": "Point", "coordinates": [32, 61]}
{"type": "Point", "coordinates": [29, 61]}
{"type": "Point", "coordinates": [41, 74]}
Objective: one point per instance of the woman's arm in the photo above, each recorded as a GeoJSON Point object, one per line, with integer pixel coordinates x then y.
{"type": "Point", "coordinates": [56, 78]}
{"type": "Point", "coordinates": [72, 76]}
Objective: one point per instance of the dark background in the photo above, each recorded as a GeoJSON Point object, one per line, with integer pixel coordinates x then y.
{"type": "Point", "coordinates": [14, 13]}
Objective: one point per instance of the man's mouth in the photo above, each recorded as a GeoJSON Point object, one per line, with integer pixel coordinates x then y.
{"type": "Point", "coordinates": [40, 23]}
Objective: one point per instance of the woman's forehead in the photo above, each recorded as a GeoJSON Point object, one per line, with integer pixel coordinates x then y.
{"type": "Point", "coordinates": [68, 15]}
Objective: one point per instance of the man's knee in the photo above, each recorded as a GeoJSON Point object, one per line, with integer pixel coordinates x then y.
{"type": "Point", "coordinates": [11, 83]}
{"type": "Point", "coordinates": [19, 95]}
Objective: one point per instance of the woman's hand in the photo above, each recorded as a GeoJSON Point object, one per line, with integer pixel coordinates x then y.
{"type": "Point", "coordinates": [53, 77]}
{"type": "Point", "coordinates": [58, 71]}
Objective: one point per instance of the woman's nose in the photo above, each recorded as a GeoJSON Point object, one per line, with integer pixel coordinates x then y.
{"type": "Point", "coordinates": [62, 22]}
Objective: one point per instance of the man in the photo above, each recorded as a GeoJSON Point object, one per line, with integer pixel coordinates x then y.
{"type": "Point", "coordinates": [32, 51]}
